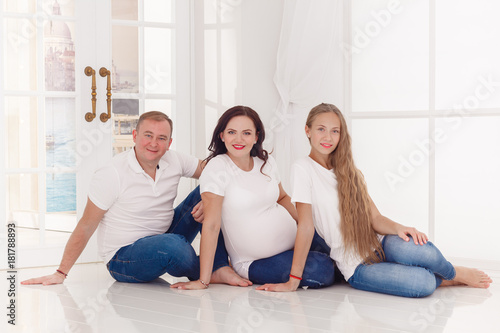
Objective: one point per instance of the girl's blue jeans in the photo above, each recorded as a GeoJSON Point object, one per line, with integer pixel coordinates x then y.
{"type": "Point", "coordinates": [150, 257]}
{"type": "Point", "coordinates": [408, 270]}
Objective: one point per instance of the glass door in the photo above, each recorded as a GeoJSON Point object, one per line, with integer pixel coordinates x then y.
{"type": "Point", "coordinates": [64, 60]}
{"type": "Point", "coordinates": [39, 101]}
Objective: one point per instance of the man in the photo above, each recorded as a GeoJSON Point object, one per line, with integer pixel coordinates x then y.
{"type": "Point", "coordinates": [140, 235]}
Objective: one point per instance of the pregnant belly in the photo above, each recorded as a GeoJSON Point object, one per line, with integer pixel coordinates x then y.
{"type": "Point", "coordinates": [262, 237]}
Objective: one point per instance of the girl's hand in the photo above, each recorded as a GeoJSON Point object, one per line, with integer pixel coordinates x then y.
{"type": "Point", "coordinates": [418, 237]}
{"type": "Point", "coordinates": [287, 286]}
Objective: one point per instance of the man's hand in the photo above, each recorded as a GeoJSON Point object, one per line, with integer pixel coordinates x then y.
{"type": "Point", "coordinates": [55, 278]}
{"type": "Point", "coordinates": [197, 212]}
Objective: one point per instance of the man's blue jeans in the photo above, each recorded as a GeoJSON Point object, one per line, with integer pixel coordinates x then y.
{"type": "Point", "coordinates": [409, 270]}
{"type": "Point", "coordinates": [150, 257]}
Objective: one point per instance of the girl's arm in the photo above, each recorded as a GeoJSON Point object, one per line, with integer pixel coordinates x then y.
{"type": "Point", "coordinates": [285, 201]}
{"type": "Point", "coordinates": [386, 226]}
{"type": "Point", "coordinates": [212, 204]}
{"type": "Point", "coordinates": [305, 233]}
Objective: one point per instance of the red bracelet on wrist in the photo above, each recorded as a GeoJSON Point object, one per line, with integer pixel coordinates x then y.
{"type": "Point", "coordinates": [61, 272]}
{"type": "Point", "coordinates": [295, 277]}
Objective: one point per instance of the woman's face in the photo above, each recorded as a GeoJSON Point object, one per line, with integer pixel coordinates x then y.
{"type": "Point", "coordinates": [324, 133]}
{"type": "Point", "coordinates": [239, 136]}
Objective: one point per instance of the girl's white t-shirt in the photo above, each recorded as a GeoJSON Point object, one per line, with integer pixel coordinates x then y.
{"type": "Point", "coordinates": [254, 225]}
{"type": "Point", "coordinates": [315, 185]}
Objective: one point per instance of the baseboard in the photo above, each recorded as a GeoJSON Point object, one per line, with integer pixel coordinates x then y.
{"type": "Point", "coordinates": [481, 264]}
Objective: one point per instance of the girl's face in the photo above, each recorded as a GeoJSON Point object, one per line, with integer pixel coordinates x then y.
{"type": "Point", "coordinates": [324, 134]}
{"type": "Point", "coordinates": [239, 136]}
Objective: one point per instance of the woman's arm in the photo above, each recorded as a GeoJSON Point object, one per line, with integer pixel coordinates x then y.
{"type": "Point", "coordinates": [212, 204]}
{"type": "Point", "coordinates": [285, 201]}
{"type": "Point", "coordinates": [305, 234]}
{"type": "Point", "coordinates": [386, 226]}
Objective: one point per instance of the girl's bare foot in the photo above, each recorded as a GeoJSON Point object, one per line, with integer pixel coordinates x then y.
{"type": "Point", "coordinates": [227, 275]}
{"type": "Point", "coordinates": [448, 283]}
{"type": "Point", "coordinates": [471, 277]}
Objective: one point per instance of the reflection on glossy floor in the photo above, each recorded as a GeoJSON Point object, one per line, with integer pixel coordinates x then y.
{"type": "Point", "coordinates": [91, 301]}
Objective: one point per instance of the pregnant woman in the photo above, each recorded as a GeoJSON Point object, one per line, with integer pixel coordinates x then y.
{"type": "Point", "coordinates": [242, 194]}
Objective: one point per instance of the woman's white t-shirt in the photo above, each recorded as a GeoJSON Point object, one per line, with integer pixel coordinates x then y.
{"type": "Point", "coordinates": [315, 185]}
{"type": "Point", "coordinates": [254, 225]}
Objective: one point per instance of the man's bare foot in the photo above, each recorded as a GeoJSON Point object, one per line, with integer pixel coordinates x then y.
{"type": "Point", "coordinates": [227, 275]}
{"type": "Point", "coordinates": [471, 277]}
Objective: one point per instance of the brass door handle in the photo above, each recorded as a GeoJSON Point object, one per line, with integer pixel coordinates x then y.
{"type": "Point", "coordinates": [104, 72]}
{"type": "Point", "coordinates": [89, 71]}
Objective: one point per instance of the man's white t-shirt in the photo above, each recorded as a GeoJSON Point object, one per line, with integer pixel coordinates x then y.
{"type": "Point", "coordinates": [254, 225]}
{"type": "Point", "coordinates": [137, 206]}
{"type": "Point", "coordinates": [313, 184]}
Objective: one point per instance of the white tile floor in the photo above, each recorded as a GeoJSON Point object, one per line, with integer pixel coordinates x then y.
{"type": "Point", "coordinates": [91, 301]}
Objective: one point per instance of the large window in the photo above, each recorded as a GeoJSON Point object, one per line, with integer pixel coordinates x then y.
{"type": "Point", "coordinates": [218, 63]}
{"type": "Point", "coordinates": [424, 107]}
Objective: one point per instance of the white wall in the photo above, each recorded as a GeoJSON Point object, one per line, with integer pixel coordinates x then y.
{"type": "Point", "coordinates": [260, 26]}
{"type": "Point", "coordinates": [235, 60]}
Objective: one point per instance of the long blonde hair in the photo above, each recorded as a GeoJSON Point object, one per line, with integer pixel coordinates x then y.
{"type": "Point", "coordinates": [354, 202]}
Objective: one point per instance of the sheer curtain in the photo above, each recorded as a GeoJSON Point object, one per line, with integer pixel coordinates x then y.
{"type": "Point", "coordinates": [310, 66]}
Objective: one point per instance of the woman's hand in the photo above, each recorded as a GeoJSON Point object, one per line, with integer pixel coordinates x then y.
{"type": "Point", "coordinates": [291, 285]}
{"type": "Point", "coordinates": [191, 285]}
{"type": "Point", "coordinates": [418, 237]}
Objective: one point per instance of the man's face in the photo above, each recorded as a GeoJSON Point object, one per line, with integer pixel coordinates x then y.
{"type": "Point", "coordinates": [152, 140]}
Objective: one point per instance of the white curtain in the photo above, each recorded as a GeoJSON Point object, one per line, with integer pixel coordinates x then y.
{"type": "Point", "coordinates": [309, 71]}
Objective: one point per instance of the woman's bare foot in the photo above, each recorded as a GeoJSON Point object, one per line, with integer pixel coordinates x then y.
{"type": "Point", "coordinates": [469, 276]}
{"type": "Point", "coordinates": [227, 275]}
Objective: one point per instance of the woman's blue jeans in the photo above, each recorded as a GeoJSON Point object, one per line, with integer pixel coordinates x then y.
{"type": "Point", "coordinates": [150, 257]}
{"type": "Point", "coordinates": [409, 270]}
{"type": "Point", "coordinates": [319, 270]}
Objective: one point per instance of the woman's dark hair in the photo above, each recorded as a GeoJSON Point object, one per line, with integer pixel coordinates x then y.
{"type": "Point", "coordinates": [217, 147]}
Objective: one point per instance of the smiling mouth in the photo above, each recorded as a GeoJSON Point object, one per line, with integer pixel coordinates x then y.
{"type": "Point", "coordinates": [325, 145]}
{"type": "Point", "coordinates": [238, 147]}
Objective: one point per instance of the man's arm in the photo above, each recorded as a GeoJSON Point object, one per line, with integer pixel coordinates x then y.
{"type": "Point", "coordinates": [199, 169]}
{"type": "Point", "coordinates": [197, 211]}
{"type": "Point", "coordinates": [75, 246]}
